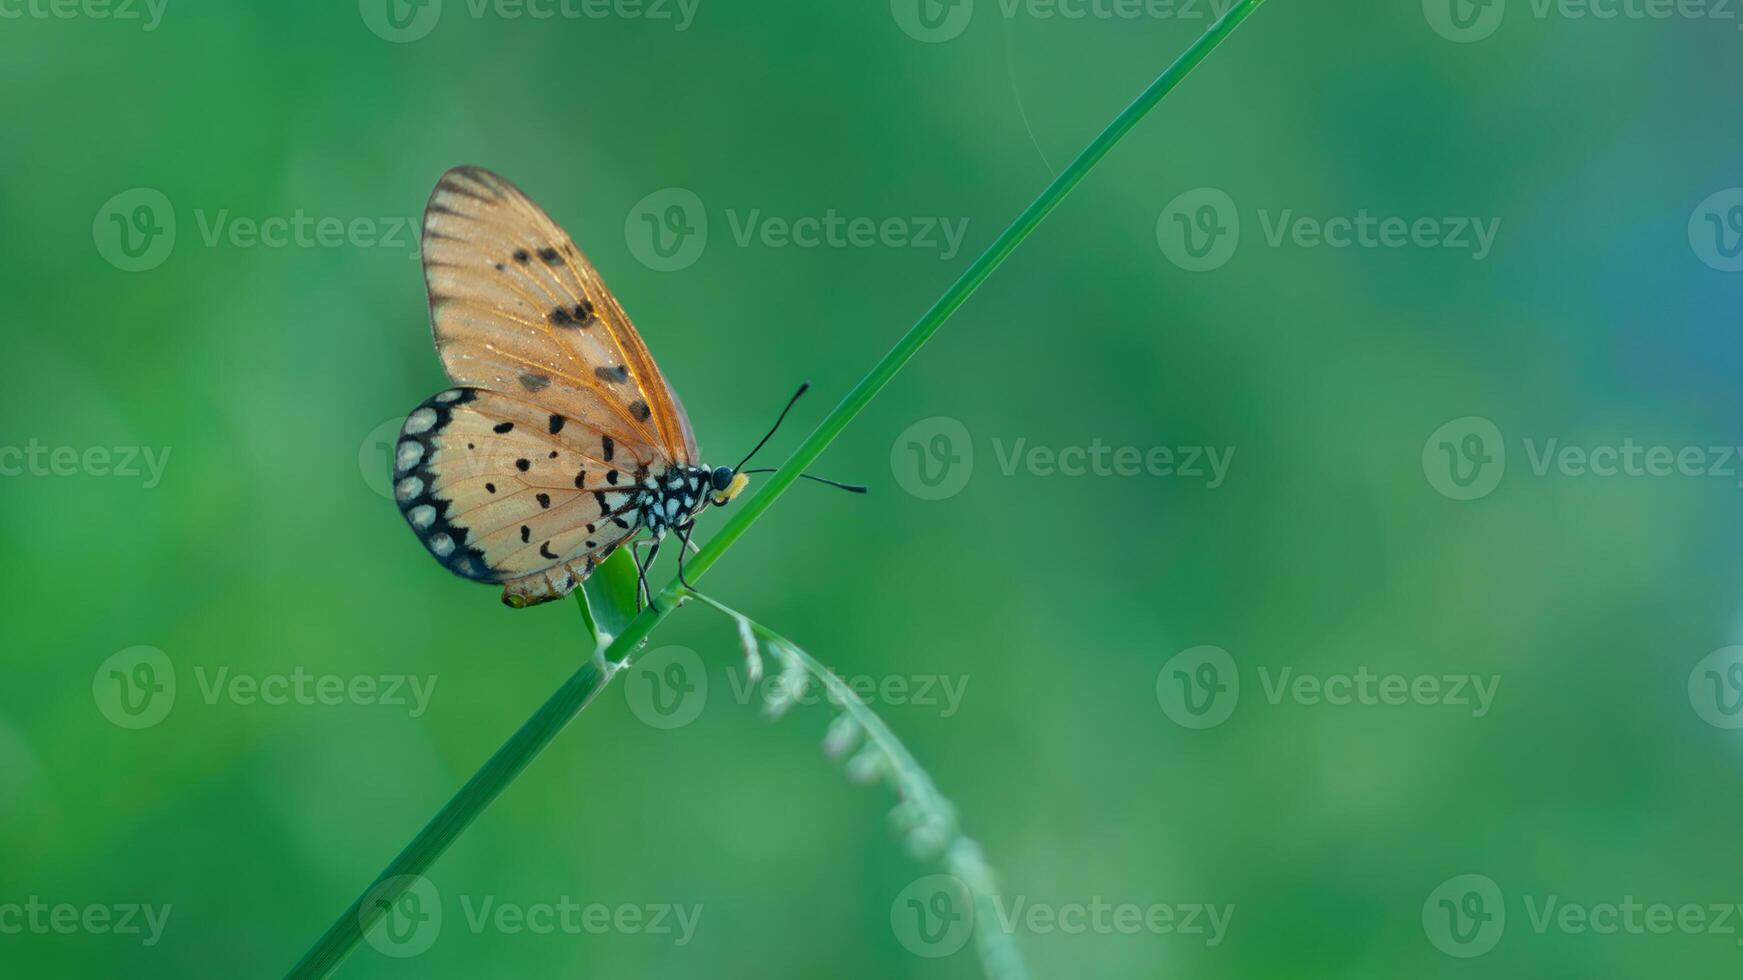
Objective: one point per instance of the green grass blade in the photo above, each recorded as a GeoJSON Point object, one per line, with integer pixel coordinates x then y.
{"type": "Point", "coordinates": [926, 817]}
{"type": "Point", "coordinates": [965, 285]}
{"type": "Point", "coordinates": [514, 755]}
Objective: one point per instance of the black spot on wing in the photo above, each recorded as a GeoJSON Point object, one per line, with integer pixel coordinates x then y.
{"type": "Point", "coordinates": [538, 382]}
{"type": "Point", "coordinates": [639, 409]}
{"type": "Point", "coordinates": [550, 255]}
{"type": "Point", "coordinates": [556, 424]}
{"type": "Point", "coordinates": [614, 375]}
{"type": "Point", "coordinates": [545, 551]}
{"type": "Point", "coordinates": [502, 427]}
{"type": "Point", "coordinates": [521, 256]}
{"type": "Point", "coordinates": [575, 317]}
{"type": "Point", "coordinates": [608, 446]}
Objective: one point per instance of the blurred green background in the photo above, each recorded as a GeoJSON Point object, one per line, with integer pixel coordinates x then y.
{"type": "Point", "coordinates": [1103, 760]}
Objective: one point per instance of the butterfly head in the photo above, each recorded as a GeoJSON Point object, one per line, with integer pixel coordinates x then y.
{"type": "Point", "coordinates": [726, 483]}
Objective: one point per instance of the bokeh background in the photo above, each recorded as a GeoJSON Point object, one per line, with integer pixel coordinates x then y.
{"type": "Point", "coordinates": [1366, 523]}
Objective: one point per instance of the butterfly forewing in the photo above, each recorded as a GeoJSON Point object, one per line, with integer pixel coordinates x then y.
{"type": "Point", "coordinates": [525, 474]}
{"type": "Point", "coordinates": [518, 309]}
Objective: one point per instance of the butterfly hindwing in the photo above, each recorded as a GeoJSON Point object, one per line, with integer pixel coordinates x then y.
{"type": "Point", "coordinates": [499, 489]}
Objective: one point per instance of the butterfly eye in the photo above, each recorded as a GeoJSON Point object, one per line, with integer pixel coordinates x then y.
{"type": "Point", "coordinates": [721, 478]}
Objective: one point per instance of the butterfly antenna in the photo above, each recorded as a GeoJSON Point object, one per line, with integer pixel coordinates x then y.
{"type": "Point", "coordinates": [802, 389]}
{"type": "Point", "coordinates": [849, 487]}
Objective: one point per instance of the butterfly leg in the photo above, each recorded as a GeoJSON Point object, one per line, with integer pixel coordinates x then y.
{"type": "Point", "coordinates": [684, 536]}
{"type": "Point", "coordinates": [641, 570]}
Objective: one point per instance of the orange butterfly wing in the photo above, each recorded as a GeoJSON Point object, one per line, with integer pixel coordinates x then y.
{"type": "Point", "coordinates": [517, 309]}
{"type": "Point", "coordinates": [525, 474]}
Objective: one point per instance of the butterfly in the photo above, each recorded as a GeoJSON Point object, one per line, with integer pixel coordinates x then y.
{"type": "Point", "coordinates": [560, 440]}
